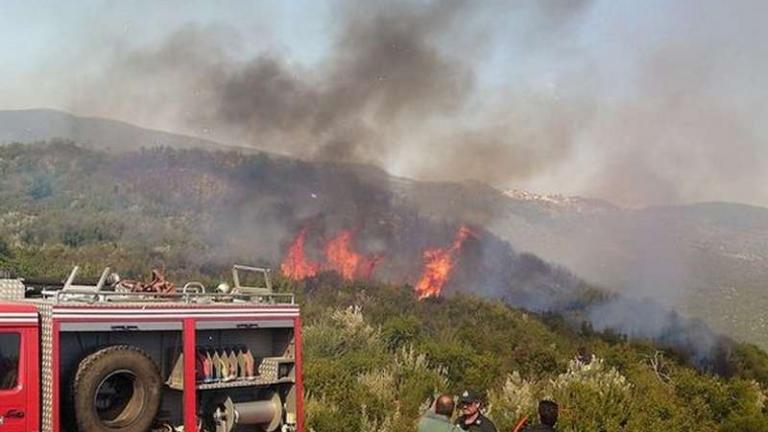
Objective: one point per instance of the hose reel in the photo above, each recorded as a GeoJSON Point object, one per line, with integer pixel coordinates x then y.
{"type": "Point", "coordinates": [266, 413]}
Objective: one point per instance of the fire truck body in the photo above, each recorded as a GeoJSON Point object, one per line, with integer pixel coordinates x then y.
{"type": "Point", "coordinates": [98, 358]}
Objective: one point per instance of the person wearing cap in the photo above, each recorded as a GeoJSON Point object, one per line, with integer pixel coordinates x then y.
{"type": "Point", "coordinates": [471, 419]}
{"type": "Point", "coordinates": [438, 418]}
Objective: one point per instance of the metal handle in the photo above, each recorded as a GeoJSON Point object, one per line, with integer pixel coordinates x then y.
{"type": "Point", "coordinates": [14, 413]}
{"type": "Point", "coordinates": [247, 326]}
{"type": "Point", "coordinates": [194, 287]}
{"type": "Point", "coordinates": [123, 327]}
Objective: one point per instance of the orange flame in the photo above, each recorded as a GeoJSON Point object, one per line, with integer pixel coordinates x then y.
{"type": "Point", "coordinates": [295, 265]}
{"type": "Point", "coordinates": [438, 263]}
{"type": "Point", "coordinates": [348, 263]}
{"type": "Point", "coordinates": [340, 257]}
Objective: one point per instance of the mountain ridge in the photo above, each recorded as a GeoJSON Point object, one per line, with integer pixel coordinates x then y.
{"type": "Point", "coordinates": [41, 124]}
{"type": "Point", "coordinates": [707, 259]}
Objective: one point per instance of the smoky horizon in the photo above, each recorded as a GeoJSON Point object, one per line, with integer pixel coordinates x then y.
{"type": "Point", "coordinates": [638, 104]}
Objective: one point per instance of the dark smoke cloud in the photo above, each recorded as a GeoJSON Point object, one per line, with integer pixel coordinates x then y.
{"type": "Point", "coordinates": [386, 73]}
{"type": "Point", "coordinates": [651, 103]}
{"type": "Point", "coordinates": [399, 89]}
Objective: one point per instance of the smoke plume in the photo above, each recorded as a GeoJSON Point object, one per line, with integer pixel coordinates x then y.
{"type": "Point", "coordinates": [399, 88]}
{"type": "Point", "coordinates": [640, 104]}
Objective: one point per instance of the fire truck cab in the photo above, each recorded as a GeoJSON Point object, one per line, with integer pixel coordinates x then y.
{"type": "Point", "coordinates": [110, 358]}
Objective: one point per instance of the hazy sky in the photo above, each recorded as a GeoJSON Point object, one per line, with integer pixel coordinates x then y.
{"type": "Point", "coordinates": [639, 102]}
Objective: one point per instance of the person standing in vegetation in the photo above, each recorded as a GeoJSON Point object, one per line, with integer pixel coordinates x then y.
{"type": "Point", "coordinates": [471, 419]}
{"type": "Point", "coordinates": [439, 420]}
{"type": "Point", "coordinates": [547, 416]}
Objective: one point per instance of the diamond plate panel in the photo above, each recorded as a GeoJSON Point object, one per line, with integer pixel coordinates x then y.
{"type": "Point", "coordinates": [46, 332]}
{"type": "Point", "coordinates": [11, 289]}
{"type": "Point", "coordinates": [270, 367]}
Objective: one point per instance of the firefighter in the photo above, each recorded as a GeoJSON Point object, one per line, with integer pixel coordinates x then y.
{"type": "Point", "coordinates": [547, 416]}
{"type": "Point", "coordinates": [439, 420]}
{"type": "Point", "coordinates": [471, 419]}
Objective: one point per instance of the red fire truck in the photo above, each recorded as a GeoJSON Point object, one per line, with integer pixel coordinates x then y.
{"type": "Point", "coordinates": [124, 356]}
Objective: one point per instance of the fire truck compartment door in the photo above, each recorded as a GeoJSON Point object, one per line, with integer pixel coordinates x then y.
{"type": "Point", "coordinates": [14, 380]}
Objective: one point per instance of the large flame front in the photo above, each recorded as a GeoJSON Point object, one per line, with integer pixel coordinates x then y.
{"type": "Point", "coordinates": [438, 263]}
{"type": "Point", "coordinates": [339, 257]}
{"type": "Point", "coordinates": [295, 265]}
{"type": "Point", "coordinates": [345, 261]}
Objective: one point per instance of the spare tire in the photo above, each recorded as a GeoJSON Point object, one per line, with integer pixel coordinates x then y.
{"type": "Point", "coordinates": [116, 389]}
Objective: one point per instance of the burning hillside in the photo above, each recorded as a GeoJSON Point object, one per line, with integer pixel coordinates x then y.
{"type": "Point", "coordinates": [343, 259]}
{"type": "Point", "coordinates": [471, 260]}
{"type": "Point", "coordinates": [310, 217]}
{"type": "Point", "coordinates": [339, 256]}
{"type": "Point", "coordinates": [295, 264]}
{"type": "Point", "coordinates": [438, 265]}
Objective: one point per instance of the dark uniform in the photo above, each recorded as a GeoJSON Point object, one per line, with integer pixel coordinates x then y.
{"type": "Point", "coordinates": [481, 424]}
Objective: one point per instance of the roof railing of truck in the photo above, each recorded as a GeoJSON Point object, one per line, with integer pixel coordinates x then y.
{"type": "Point", "coordinates": [108, 289]}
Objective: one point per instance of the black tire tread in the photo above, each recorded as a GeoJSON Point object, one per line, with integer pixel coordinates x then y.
{"type": "Point", "coordinates": [86, 365]}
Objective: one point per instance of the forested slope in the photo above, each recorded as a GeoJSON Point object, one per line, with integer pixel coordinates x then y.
{"type": "Point", "coordinates": [376, 354]}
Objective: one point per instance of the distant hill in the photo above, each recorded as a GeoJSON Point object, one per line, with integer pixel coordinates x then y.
{"type": "Point", "coordinates": [96, 133]}
{"type": "Point", "coordinates": [709, 260]}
